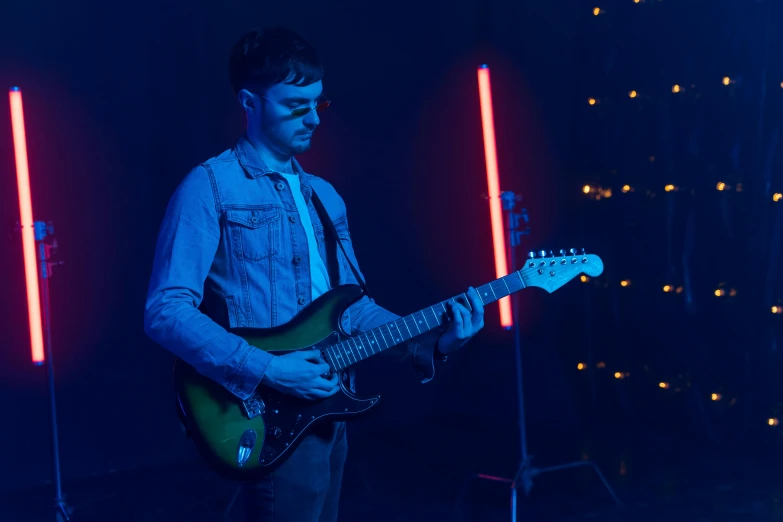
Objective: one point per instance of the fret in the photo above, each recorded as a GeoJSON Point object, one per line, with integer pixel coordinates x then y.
{"type": "Point", "coordinates": [355, 351]}
{"type": "Point", "coordinates": [348, 351]}
{"type": "Point", "coordinates": [402, 337]}
{"type": "Point", "coordinates": [435, 315]}
{"type": "Point", "coordinates": [404, 323]}
{"type": "Point", "coordinates": [388, 327]}
{"type": "Point", "coordinates": [328, 354]}
{"type": "Point", "coordinates": [362, 339]}
{"type": "Point", "coordinates": [493, 292]}
{"type": "Point", "coordinates": [361, 342]}
{"type": "Point", "coordinates": [507, 288]}
{"type": "Point", "coordinates": [521, 281]}
{"type": "Point", "coordinates": [416, 323]}
{"type": "Point", "coordinates": [340, 357]}
{"type": "Point", "coordinates": [425, 321]}
{"type": "Point", "coordinates": [376, 339]}
{"type": "Point", "coordinates": [357, 355]}
{"type": "Point", "coordinates": [380, 331]}
{"type": "Point", "coordinates": [358, 345]}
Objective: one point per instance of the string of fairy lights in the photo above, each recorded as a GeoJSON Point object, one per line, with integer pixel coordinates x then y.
{"type": "Point", "coordinates": [679, 383]}
{"type": "Point", "coordinates": [676, 385]}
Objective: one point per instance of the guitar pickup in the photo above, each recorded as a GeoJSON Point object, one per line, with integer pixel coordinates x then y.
{"type": "Point", "coordinates": [253, 407]}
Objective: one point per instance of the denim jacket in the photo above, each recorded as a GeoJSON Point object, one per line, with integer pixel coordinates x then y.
{"type": "Point", "coordinates": [232, 252]}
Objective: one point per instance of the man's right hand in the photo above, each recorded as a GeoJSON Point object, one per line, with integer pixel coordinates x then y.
{"type": "Point", "coordinates": [301, 374]}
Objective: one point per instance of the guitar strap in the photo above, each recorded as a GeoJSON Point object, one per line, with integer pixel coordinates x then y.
{"type": "Point", "coordinates": [332, 231]}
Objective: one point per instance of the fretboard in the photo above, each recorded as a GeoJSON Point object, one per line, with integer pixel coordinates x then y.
{"type": "Point", "coordinates": [365, 345]}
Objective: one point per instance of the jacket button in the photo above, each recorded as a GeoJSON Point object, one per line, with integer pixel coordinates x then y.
{"type": "Point", "coordinates": [301, 300]}
{"type": "Point", "coordinates": [279, 185]}
{"type": "Point", "coordinates": [254, 219]}
{"type": "Point", "coordinates": [297, 260]}
{"type": "Point", "coordinates": [292, 219]}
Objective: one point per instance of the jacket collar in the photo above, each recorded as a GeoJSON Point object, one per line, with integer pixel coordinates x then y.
{"type": "Point", "coordinates": [253, 165]}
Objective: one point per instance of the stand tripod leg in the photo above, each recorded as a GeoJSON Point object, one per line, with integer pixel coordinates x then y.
{"type": "Point", "coordinates": [576, 464]}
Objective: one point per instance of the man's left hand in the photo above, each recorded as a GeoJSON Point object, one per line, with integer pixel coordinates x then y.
{"type": "Point", "coordinates": [464, 323]}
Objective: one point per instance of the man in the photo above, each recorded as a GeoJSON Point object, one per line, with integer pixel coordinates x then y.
{"type": "Point", "coordinates": [243, 245]}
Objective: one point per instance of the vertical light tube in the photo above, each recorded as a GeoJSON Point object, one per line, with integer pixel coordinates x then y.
{"type": "Point", "coordinates": [493, 184]}
{"type": "Point", "coordinates": [26, 225]}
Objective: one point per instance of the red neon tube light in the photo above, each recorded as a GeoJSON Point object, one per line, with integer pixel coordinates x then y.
{"type": "Point", "coordinates": [493, 184]}
{"type": "Point", "coordinates": [26, 225]}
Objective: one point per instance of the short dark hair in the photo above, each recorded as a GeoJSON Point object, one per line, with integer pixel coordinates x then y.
{"type": "Point", "coordinates": [264, 57]}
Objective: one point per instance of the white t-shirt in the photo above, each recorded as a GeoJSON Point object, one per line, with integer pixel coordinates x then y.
{"type": "Point", "coordinates": [318, 273]}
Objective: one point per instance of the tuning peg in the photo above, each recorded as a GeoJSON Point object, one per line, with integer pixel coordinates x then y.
{"type": "Point", "coordinates": [583, 252]}
{"type": "Point", "coordinates": [542, 253]}
{"type": "Point", "coordinates": [562, 252]}
{"type": "Point", "coordinates": [572, 251]}
{"type": "Point", "coordinates": [531, 255]}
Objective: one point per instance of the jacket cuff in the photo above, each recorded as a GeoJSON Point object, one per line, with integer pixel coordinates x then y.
{"type": "Point", "coordinates": [247, 378]}
{"type": "Point", "coordinates": [423, 354]}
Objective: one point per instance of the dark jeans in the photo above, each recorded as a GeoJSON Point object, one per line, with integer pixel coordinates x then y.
{"type": "Point", "coordinates": [306, 487]}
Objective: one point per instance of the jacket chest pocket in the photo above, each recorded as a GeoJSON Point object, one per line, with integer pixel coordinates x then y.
{"type": "Point", "coordinates": [255, 233]}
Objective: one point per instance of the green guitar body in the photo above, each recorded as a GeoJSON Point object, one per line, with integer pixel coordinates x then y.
{"type": "Point", "coordinates": [242, 440]}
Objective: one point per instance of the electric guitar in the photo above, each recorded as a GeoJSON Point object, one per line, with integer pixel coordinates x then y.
{"type": "Point", "coordinates": [243, 439]}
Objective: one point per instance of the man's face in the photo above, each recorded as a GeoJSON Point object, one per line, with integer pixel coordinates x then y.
{"type": "Point", "coordinates": [285, 133]}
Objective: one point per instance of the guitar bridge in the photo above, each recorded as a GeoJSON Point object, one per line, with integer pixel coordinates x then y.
{"type": "Point", "coordinates": [253, 407]}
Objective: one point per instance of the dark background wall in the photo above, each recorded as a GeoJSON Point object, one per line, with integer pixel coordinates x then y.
{"type": "Point", "coordinates": [122, 100]}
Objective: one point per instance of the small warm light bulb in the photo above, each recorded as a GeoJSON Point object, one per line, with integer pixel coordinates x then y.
{"type": "Point", "coordinates": [726, 80]}
{"type": "Point", "coordinates": [618, 375]}
{"type": "Point", "coordinates": [596, 11]}
{"type": "Point", "coordinates": [663, 385]}
{"type": "Point", "coordinates": [632, 94]}
{"type": "Point", "coordinates": [777, 196]}
{"type": "Point", "coordinates": [591, 101]}
{"type": "Point", "coordinates": [668, 188]}
{"type": "Point", "coordinates": [584, 278]}
{"type": "Point", "coordinates": [586, 189]}
{"type": "Point", "coordinates": [626, 188]}
{"type": "Point", "coordinates": [601, 365]}
{"type": "Point", "coordinates": [720, 292]}
{"type": "Point", "coordinates": [608, 193]}
{"type": "Point", "coordinates": [773, 421]}
{"type": "Point", "coordinates": [732, 292]}
{"type": "Point", "coordinates": [721, 186]}
{"type": "Point", "coordinates": [716, 396]}
{"type": "Point", "coordinates": [777, 309]}
{"type": "Point", "coordinates": [679, 290]}
{"type": "Point", "coordinates": [676, 88]}
{"type": "Point", "coordinates": [580, 366]}
{"type": "Point", "coordinates": [625, 282]}
{"type": "Point", "coordinates": [667, 288]}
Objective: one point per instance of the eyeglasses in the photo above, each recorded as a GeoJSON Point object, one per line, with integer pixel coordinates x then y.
{"type": "Point", "coordinates": [320, 105]}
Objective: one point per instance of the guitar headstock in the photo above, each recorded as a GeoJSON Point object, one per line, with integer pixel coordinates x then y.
{"type": "Point", "coordinates": [550, 271]}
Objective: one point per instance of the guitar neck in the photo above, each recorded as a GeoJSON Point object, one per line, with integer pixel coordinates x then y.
{"type": "Point", "coordinates": [365, 345]}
